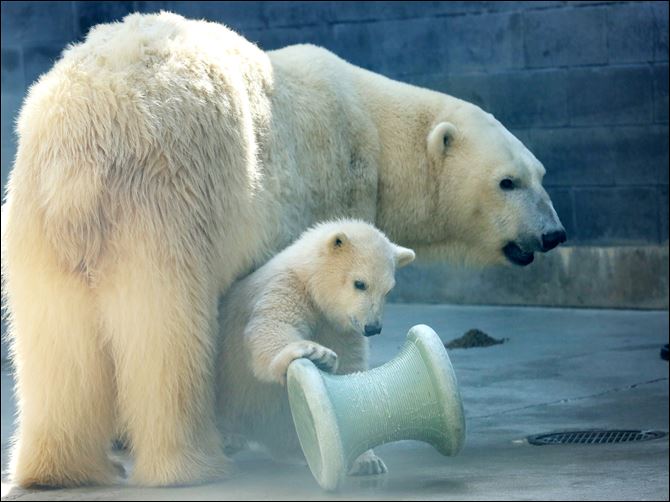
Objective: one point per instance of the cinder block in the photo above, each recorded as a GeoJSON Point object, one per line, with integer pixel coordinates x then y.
{"type": "Point", "coordinates": [4, 349]}
{"type": "Point", "coordinates": [522, 135]}
{"type": "Point", "coordinates": [583, 3]}
{"type": "Point", "coordinates": [601, 156]}
{"type": "Point", "coordinates": [37, 21]}
{"type": "Point", "coordinates": [393, 48]}
{"type": "Point", "coordinates": [486, 43]}
{"type": "Point", "coordinates": [611, 216]}
{"type": "Point", "coordinates": [663, 213]}
{"type": "Point", "coordinates": [562, 201]}
{"type": "Point", "coordinates": [574, 157]}
{"type": "Point", "coordinates": [355, 42]}
{"type": "Point", "coordinates": [537, 98]}
{"type": "Point", "coordinates": [517, 99]}
{"type": "Point", "coordinates": [661, 93]}
{"type": "Point", "coordinates": [12, 71]}
{"type": "Point", "coordinates": [661, 34]}
{"type": "Point", "coordinates": [565, 37]}
{"type": "Point", "coordinates": [236, 15]}
{"type": "Point", "coordinates": [88, 14]}
{"type": "Point", "coordinates": [631, 32]}
{"type": "Point", "coordinates": [368, 11]}
{"type": "Point", "coordinates": [516, 6]}
{"type": "Point", "coordinates": [474, 88]}
{"type": "Point", "coordinates": [187, 9]}
{"type": "Point", "coordinates": [442, 45]}
{"type": "Point", "coordinates": [660, 143]}
{"type": "Point", "coordinates": [276, 38]}
{"type": "Point", "coordinates": [612, 95]}
{"type": "Point", "coordinates": [11, 104]}
{"type": "Point", "coordinates": [378, 11]}
{"type": "Point", "coordinates": [298, 13]}
{"type": "Point", "coordinates": [434, 81]}
{"type": "Point", "coordinates": [39, 59]}
{"type": "Point", "coordinates": [6, 159]}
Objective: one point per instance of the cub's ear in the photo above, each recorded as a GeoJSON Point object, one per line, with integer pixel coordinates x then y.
{"type": "Point", "coordinates": [441, 138]}
{"type": "Point", "coordinates": [338, 241]}
{"type": "Point", "coordinates": [403, 256]}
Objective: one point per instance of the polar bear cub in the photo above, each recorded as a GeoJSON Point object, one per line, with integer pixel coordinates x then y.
{"type": "Point", "coordinates": [320, 298]}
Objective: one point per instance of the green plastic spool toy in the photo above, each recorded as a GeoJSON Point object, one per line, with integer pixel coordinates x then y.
{"type": "Point", "coordinates": [413, 396]}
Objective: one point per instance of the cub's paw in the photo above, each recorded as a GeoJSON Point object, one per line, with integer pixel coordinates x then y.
{"type": "Point", "coordinates": [324, 358]}
{"type": "Point", "coordinates": [234, 443]}
{"type": "Point", "coordinates": [368, 464]}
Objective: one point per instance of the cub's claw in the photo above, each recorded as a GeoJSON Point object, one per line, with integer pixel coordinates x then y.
{"type": "Point", "coordinates": [368, 464]}
{"type": "Point", "coordinates": [321, 356]}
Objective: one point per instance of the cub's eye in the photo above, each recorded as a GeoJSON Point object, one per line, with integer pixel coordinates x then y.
{"type": "Point", "coordinates": [360, 285]}
{"type": "Point", "coordinates": [507, 184]}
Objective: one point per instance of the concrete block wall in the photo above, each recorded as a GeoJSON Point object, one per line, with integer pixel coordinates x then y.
{"type": "Point", "coordinates": [583, 84]}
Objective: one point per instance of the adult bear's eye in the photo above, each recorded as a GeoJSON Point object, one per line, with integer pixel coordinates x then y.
{"type": "Point", "coordinates": [507, 184]}
{"type": "Point", "coordinates": [360, 285]}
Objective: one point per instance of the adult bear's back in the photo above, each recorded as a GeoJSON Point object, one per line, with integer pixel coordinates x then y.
{"type": "Point", "coordinates": [151, 108]}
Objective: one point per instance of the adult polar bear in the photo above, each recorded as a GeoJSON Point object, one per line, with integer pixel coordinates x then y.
{"type": "Point", "coordinates": [161, 159]}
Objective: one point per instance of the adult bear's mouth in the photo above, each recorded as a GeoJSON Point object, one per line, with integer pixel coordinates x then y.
{"type": "Point", "coordinates": [518, 256]}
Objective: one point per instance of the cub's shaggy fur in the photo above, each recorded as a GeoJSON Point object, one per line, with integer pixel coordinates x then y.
{"type": "Point", "coordinates": [314, 300]}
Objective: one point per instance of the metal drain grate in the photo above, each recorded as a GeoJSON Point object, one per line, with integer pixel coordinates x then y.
{"type": "Point", "coordinates": [594, 437]}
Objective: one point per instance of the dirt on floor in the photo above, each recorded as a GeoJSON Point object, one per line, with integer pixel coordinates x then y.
{"type": "Point", "coordinates": [474, 338]}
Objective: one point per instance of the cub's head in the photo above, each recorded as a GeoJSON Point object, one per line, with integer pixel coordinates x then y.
{"type": "Point", "coordinates": [489, 200]}
{"type": "Point", "coordinates": [352, 272]}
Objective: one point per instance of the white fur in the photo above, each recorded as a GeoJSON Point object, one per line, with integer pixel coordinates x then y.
{"type": "Point", "coordinates": [161, 159]}
{"type": "Point", "coordinates": [302, 303]}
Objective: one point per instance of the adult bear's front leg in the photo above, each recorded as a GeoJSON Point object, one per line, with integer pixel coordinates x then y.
{"type": "Point", "coordinates": [159, 306]}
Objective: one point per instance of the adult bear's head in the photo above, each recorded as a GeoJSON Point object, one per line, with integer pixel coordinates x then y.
{"type": "Point", "coordinates": [488, 193]}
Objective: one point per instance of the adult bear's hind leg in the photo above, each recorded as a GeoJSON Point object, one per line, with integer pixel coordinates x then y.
{"type": "Point", "coordinates": [159, 309]}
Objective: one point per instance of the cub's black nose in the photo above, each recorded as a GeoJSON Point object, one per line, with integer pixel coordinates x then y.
{"type": "Point", "coordinates": [373, 329]}
{"type": "Point", "coordinates": [552, 239]}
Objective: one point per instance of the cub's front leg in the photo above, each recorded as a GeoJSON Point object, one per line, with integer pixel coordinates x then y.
{"type": "Point", "coordinates": [273, 350]}
{"type": "Point", "coordinates": [322, 357]}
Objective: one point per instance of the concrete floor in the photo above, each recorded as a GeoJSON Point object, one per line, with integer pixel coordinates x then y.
{"type": "Point", "coordinates": [561, 369]}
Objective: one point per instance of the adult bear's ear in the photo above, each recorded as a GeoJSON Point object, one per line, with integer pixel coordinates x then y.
{"type": "Point", "coordinates": [441, 138]}
{"type": "Point", "coordinates": [403, 256]}
{"type": "Point", "coordinates": [338, 241]}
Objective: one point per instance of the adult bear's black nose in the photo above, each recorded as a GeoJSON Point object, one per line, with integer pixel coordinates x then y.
{"type": "Point", "coordinates": [373, 329]}
{"type": "Point", "coordinates": [552, 239]}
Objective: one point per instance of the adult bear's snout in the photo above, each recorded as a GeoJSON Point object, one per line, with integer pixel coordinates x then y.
{"type": "Point", "coordinates": [552, 239]}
